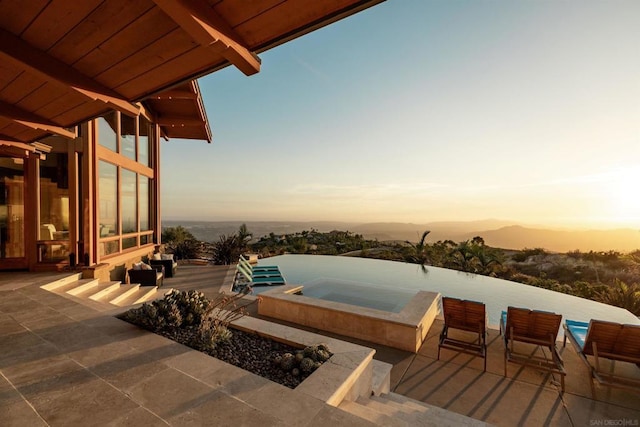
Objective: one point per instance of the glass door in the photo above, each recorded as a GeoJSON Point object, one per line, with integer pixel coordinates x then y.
{"type": "Point", "coordinates": [12, 237]}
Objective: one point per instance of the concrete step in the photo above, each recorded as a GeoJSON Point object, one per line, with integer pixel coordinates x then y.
{"type": "Point", "coordinates": [83, 285]}
{"type": "Point", "coordinates": [123, 293]}
{"type": "Point", "coordinates": [386, 406]}
{"type": "Point", "coordinates": [62, 281]}
{"type": "Point", "coordinates": [420, 413]}
{"type": "Point", "coordinates": [380, 377]}
{"type": "Point", "coordinates": [66, 287]}
{"type": "Point", "coordinates": [104, 290]}
{"type": "Point", "coordinates": [143, 294]}
{"type": "Point", "coordinates": [377, 417]}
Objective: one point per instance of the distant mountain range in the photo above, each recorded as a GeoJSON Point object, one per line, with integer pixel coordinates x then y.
{"type": "Point", "coordinates": [496, 233]}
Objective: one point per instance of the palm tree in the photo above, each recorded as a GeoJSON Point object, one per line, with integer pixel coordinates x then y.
{"type": "Point", "coordinates": [420, 251]}
{"type": "Point", "coordinates": [622, 295]}
{"type": "Point", "coordinates": [462, 257]}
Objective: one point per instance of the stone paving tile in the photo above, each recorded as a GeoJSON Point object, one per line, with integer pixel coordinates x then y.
{"type": "Point", "coordinates": [285, 404]}
{"type": "Point", "coordinates": [15, 411]}
{"type": "Point", "coordinates": [170, 393]}
{"type": "Point", "coordinates": [53, 320]}
{"type": "Point", "coordinates": [586, 412]}
{"type": "Point", "coordinates": [34, 313]}
{"type": "Point", "coordinates": [28, 374]}
{"type": "Point", "coordinates": [219, 409]}
{"type": "Point", "coordinates": [138, 417]}
{"type": "Point", "coordinates": [112, 326]}
{"type": "Point", "coordinates": [481, 395]}
{"type": "Point", "coordinates": [18, 413]}
{"type": "Point", "coordinates": [78, 403]}
{"type": "Point", "coordinates": [128, 370]}
{"type": "Point", "coordinates": [20, 348]}
{"type": "Point", "coordinates": [100, 353]}
{"type": "Point", "coordinates": [195, 364]}
{"type": "Point", "coordinates": [8, 326]}
{"type": "Point", "coordinates": [75, 336]}
{"type": "Point", "coordinates": [234, 381]}
{"type": "Point", "coordinates": [330, 416]}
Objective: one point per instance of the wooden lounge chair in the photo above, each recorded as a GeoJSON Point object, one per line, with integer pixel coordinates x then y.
{"type": "Point", "coordinates": [467, 316]}
{"type": "Point", "coordinates": [532, 327]}
{"type": "Point", "coordinates": [598, 340]}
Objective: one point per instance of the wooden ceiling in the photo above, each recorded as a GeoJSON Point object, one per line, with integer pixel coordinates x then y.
{"type": "Point", "coordinates": [65, 61]}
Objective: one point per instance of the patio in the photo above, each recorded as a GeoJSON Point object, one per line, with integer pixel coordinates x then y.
{"type": "Point", "coordinates": [67, 362]}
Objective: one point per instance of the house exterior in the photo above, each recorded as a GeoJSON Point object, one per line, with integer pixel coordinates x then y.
{"type": "Point", "coordinates": [88, 92]}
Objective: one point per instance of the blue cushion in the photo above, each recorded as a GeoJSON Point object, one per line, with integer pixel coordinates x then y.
{"type": "Point", "coordinates": [578, 331]}
{"type": "Point", "coordinates": [503, 317]}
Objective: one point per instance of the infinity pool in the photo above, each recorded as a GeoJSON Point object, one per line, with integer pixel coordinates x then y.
{"type": "Point", "coordinates": [388, 285]}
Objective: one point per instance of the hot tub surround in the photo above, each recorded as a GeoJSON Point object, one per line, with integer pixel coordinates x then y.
{"type": "Point", "coordinates": [405, 330]}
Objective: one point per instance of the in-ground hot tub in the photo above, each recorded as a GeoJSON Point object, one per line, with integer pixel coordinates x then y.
{"type": "Point", "coordinates": [404, 328]}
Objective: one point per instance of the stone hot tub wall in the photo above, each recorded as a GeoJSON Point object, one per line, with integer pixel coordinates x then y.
{"type": "Point", "coordinates": [404, 330]}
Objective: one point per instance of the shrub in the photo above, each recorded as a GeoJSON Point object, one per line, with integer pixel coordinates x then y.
{"type": "Point", "coordinates": [190, 309]}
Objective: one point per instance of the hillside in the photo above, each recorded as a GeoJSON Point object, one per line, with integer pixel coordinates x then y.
{"type": "Point", "coordinates": [518, 237]}
{"type": "Point", "coordinates": [496, 233]}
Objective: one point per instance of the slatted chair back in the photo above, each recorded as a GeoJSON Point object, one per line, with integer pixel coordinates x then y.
{"type": "Point", "coordinates": [532, 326]}
{"type": "Point", "coordinates": [466, 315]}
{"type": "Point", "coordinates": [613, 341]}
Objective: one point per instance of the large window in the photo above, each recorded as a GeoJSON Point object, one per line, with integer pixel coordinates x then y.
{"type": "Point", "coordinates": [107, 126]}
{"type": "Point", "coordinates": [144, 138]}
{"type": "Point", "coordinates": [143, 203]}
{"type": "Point", "coordinates": [125, 183]}
{"type": "Point", "coordinates": [108, 199]}
{"type": "Point", "coordinates": [129, 197]}
{"type": "Point", "coordinates": [128, 136]}
{"type": "Point", "coordinates": [53, 235]}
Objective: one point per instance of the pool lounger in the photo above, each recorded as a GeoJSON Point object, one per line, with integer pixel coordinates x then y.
{"type": "Point", "coordinates": [257, 268]}
{"type": "Point", "coordinates": [615, 342]}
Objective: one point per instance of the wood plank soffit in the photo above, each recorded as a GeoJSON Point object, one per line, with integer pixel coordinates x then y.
{"type": "Point", "coordinates": [209, 29]}
{"type": "Point", "coordinates": [179, 121]}
{"type": "Point", "coordinates": [24, 55]}
{"type": "Point", "coordinates": [33, 121]}
{"type": "Point", "coordinates": [175, 94]}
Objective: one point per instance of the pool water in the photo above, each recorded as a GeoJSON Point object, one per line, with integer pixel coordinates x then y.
{"type": "Point", "coordinates": [388, 285]}
{"type": "Point", "coordinates": [360, 294]}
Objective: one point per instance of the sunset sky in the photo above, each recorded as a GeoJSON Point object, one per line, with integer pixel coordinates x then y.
{"type": "Point", "coordinates": [420, 111]}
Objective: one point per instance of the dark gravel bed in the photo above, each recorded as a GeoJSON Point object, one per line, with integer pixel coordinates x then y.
{"type": "Point", "coordinates": [244, 350]}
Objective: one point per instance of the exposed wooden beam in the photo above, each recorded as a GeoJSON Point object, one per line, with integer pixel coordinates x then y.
{"type": "Point", "coordinates": [209, 29]}
{"type": "Point", "coordinates": [17, 51]}
{"type": "Point", "coordinates": [179, 121]}
{"type": "Point", "coordinates": [33, 121]}
{"type": "Point", "coordinates": [175, 94]}
{"type": "Point", "coordinates": [6, 141]}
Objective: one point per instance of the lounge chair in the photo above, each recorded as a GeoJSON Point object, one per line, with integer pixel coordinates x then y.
{"type": "Point", "coordinates": [598, 340]}
{"type": "Point", "coordinates": [532, 327]}
{"type": "Point", "coordinates": [247, 277]}
{"type": "Point", "coordinates": [467, 316]}
{"type": "Point", "coordinates": [258, 268]}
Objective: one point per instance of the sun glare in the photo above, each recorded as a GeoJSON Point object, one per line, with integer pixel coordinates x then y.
{"type": "Point", "coordinates": [624, 197]}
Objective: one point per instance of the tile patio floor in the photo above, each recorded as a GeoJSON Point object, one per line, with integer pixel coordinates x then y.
{"type": "Point", "coordinates": [67, 363]}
